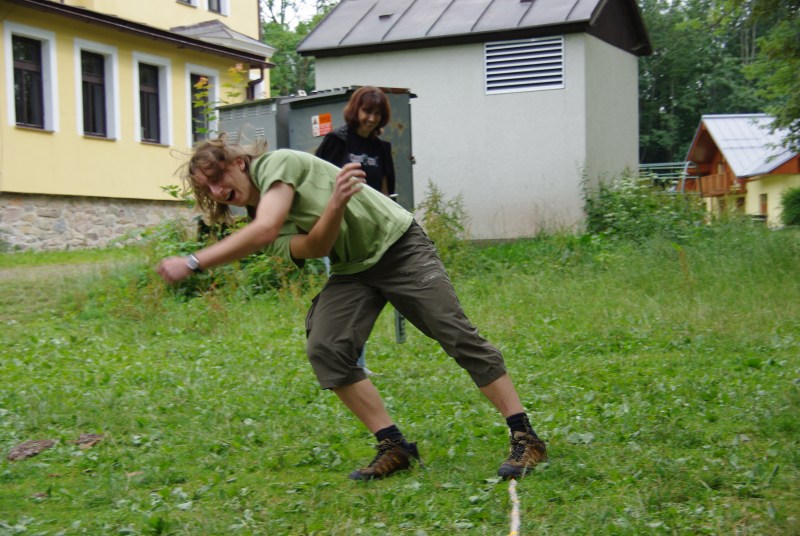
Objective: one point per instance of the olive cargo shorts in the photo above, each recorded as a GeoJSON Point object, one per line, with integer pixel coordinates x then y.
{"type": "Point", "coordinates": [413, 279]}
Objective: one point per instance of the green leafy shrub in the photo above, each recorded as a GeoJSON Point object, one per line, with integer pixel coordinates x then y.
{"type": "Point", "coordinates": [790, 207]}
{"type": "Point", "coordinates": [633, 207]}
{"type": "Point", "coordinates": [140, 292]}
{"type": "Point", "coordinates": [256, 274]}
{"type": "Point", "coordinates": [446, 222]}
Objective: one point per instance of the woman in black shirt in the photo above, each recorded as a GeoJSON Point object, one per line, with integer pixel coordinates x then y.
{"type": "Point", "coordinates": [365, 115]}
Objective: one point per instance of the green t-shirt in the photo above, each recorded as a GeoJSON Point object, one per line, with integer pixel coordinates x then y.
{"type": "Point", "coordinates": [372, 222]}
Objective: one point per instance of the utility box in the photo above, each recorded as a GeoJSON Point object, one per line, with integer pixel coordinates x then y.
{"type": "Point", "coordinates": [250, 121]}
{"type": "Point", "coordinates": [311, 117]}
{"type": "Point", "coordinates": [301, 122]}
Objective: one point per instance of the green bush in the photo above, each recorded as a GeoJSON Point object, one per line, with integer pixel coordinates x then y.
{"type": "Point", "coordinates": [790, 207]}
{"type": "Point", "coordinates": [252, 276]}
{"type": "Point", "coordinates": [446, 222]}
{"type": "Point", "coordinates": [633, 207]}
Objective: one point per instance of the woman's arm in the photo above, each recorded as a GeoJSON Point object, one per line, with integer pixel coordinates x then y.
{"type": "Point", "coordinates": [271, 213]}
{"type": "Point", "coordinates": [320, 239]}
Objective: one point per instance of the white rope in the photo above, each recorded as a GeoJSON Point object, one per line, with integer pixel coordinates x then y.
{"type": "Point", "coordinates": [512, 493]}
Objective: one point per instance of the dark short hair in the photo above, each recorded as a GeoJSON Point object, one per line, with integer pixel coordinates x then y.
{"type": "Point", "coordinates": [371, 98]}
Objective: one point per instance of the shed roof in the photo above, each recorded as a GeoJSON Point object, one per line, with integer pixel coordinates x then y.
{"type": "Point", "coordinates": [358, 26]}
{"type": "Point", "coordinates": [744, 140]}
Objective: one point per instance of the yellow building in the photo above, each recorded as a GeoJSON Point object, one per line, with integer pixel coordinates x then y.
{"type": "Point", "coordinates": [96, 109]}
{"type": "Point", "coordinates": [742, 165]}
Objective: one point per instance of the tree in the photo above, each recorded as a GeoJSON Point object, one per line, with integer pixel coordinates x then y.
{"type": "Point", "coordinates": [283, 30]}
{"type": "Point", "coordinates": [292, 72]}
{"type": "Point", "coordinates": [696, 68]}
{"type": "Point", "coordinates": [775, 69]}
{"type": "Point", "coordinates": [289, 13]}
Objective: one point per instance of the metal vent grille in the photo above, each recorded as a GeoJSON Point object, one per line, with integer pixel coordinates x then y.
{"type": "Point", "coordinates": [524, 65]}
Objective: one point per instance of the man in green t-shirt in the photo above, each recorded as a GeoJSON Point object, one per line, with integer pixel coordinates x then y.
{"type": "Point", "coordinates": [303, 207]}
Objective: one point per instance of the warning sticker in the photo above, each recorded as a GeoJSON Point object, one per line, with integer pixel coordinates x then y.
{"type": "Point", "coordinates": [321, 124]}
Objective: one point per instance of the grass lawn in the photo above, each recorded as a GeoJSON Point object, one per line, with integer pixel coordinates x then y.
{"type": "Point", "coordinates": [665, 379]}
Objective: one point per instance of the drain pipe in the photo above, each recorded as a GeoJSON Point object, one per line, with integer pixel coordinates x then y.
{"type": "Point", "coordinates": [251, 85]}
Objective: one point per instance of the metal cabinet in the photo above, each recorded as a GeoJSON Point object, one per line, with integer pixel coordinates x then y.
{"type": "Point", "coordinates": [300, 123]}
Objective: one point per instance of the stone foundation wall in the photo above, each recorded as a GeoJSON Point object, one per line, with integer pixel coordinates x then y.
{"type": "Point", "coordinates": [50, 222]}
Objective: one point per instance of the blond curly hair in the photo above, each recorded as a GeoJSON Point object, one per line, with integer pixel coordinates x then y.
{"type": "Point", "coordinates": [212, 158]}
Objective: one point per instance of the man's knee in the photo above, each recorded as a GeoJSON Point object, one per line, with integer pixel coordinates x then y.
{"type": "Point", "coordinates": [334, 366]}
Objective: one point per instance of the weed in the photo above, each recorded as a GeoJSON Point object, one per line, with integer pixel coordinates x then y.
{"type": "Point", "coordinates": [634, 207]}
{"type": "Point", "coordinates": [447, 224]}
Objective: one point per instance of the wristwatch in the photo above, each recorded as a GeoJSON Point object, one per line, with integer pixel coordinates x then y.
{"type": "Point", "coordinates": [193, 263]}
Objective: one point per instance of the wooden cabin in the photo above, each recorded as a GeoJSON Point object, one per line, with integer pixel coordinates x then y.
{"type": "Point", "coordinates": [740, 164]}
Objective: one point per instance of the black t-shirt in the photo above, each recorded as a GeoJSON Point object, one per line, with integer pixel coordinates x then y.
{"type": "Point", "coordinates": [337, 146]}
{"type": "Point", "coordinates": [369, 153]}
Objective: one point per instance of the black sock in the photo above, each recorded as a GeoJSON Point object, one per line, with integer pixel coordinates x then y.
{"type": "Point", "coordinates": [390, 432]}
{"type": "Point", "coordinates": [519, 423]}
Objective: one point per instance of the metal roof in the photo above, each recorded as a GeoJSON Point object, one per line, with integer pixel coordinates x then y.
{"type": "Point", "coordinates": [214, 31]}
{"type": "Point", "coordinates": [356, 26]}
{"type": "Point", "coordinates": [745, 141]}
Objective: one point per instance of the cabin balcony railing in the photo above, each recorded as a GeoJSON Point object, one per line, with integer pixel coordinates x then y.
{"type": "Point", "coordinates": [719, 184]}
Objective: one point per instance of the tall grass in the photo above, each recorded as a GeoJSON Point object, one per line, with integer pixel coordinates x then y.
{"type": "Point", "coordinates": [44, 258]}
{"type": "Point", "coordinates": [664, 378]}
{"type": "Point", "coordinates": [663, 372]}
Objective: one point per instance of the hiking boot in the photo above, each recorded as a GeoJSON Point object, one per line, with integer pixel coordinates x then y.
{"type": "Point", "coordinates": [526, 452]}
{"type": "Point", "coordinates": [392, 456]}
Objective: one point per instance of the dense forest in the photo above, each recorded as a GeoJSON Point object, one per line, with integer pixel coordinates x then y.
{"type": "Point", "coordinates": [716, 57]}
{"type": "Point", "coordinates": [709, 57]}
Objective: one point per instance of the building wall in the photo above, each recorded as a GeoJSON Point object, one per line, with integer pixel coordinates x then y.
{"type": "Point", "coordinates": [516, 158]}
{"type": "Point", "coordinates": [62, 189]}
{"type": "Point", "coordinates": [612, 110]}
{"type": "Point", "coordinates": [62, 160]}
{"type": "Point", "coordinates": [46, 222]}
{"type": "Point", "coordinates": [773, 187]}
{"type": "Point", "coordinates": [239, 15]}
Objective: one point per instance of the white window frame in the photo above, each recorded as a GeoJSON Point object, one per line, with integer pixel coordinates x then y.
{"type": "Point", "coordinates": [49, 72]}
{"type": "Point", "coordinates": [191, 3]}
{"type": "Point", "coordinates": [541, 60]}
{"type": "Point", "coordinates": [164, 95]}
{"type": "Point", "coordinates": [213, 95]}
{"type": "Point", "coordinates": [111, 56]}
{"type": "Point", "coordinates": [224, 7]}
